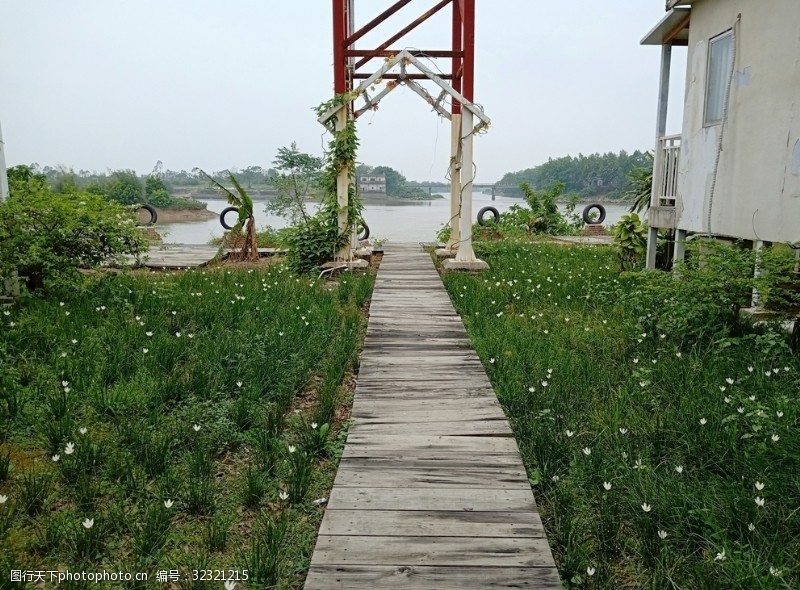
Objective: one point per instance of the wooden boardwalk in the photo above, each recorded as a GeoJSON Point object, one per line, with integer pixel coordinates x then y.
{"type": "Point", "coordinates": [431, 491]}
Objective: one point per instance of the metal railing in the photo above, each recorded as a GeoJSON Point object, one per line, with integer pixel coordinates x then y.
{"type": "Point", "coordinates": [665, 178]}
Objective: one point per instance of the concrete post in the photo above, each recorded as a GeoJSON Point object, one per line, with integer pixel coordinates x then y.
{"type": "Point", "coordinates": [465, 252]}
{"type": "Point", "coordinates": [661, 130]}
{"type": "Point", "coordinates": [455, 182]}
{"type": "Point", "coordinates": [3, 175]}
{"type": "Point", "coordinates": [679, 253]}
{"type": "Point", "coordinates": [758, 245]}
{"type": "Point", "coordinates": [343, 193]}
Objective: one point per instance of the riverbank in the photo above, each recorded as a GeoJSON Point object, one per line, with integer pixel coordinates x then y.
{"type": "Point", "coordinates": [183, 215]}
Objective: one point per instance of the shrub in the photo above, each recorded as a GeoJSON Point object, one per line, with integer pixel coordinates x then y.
{"type": "Point", "coordinates": [630, 240]}
{"type": "Point", "coordinates": [46, 236]}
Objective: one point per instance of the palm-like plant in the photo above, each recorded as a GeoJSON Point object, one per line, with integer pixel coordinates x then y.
{"type": "Point", "coordinates": [246, 223]}
{"type": "Point", "coordinates": [640, 186]}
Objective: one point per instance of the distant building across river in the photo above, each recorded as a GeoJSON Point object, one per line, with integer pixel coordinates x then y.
{"type": "Point", "coordinates": [372, 184]}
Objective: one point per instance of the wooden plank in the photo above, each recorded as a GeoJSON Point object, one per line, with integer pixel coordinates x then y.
{"type": "Point", "coordinates": [431, 523]}
{"type": "Point", "coordinates": [401, 477]}
{"type": "Point", "coordinates": [431, 498]}
{"type": "Point", "coordinates": [413, 577]}
{"type": "Point", "coordinates": [447, 551]}
{"type": "Point", "coordinates": [412, 442]}
{"type": "Point", "coordinates": [484, 427]}
{"type": "Point", "coordinates": [433, 460]}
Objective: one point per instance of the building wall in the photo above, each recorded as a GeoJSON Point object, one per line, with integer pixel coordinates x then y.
{"type": "Point", "coordinates": [757, 193]}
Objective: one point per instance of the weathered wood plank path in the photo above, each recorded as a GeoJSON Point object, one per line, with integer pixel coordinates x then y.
{"type": "Point", "coordinates": [431, 491]}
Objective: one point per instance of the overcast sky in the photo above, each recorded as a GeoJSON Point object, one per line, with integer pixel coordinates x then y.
{"type": "Point", "coordinates": [101, 84]}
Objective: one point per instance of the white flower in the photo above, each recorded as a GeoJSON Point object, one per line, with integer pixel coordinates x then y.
{"type": "Point", "coordinates": [138, 318]}
{"type": "Point", "coordinates": [703, 421]}
{"type": "Point", "coordinates": [729, 381]}
{"type": "Point", "coordinates": [679, 469]}
{"type": "Point", "coordinates": [590, 571]}
{"type": "Point", "coordinates": [720, 556]}
{"type": "Point", "coordinates": [727, 399]}
{"type": "Point", "coordinates": [722, 388]}
{"type": "Point", "coordinates": [623, 431]}
{"type": "Point", "coordinates": [3, 499]}
{"type": "Point", "coordinates": [88, 523]}
{"type": "Point", "coordinates": [69, 449]}
{"type": "Point", "coordinates": [555, 478]}
{"type": "Point", "coordinates": [767, 373]}
{"type": "Point", "coordinates": [83, 430]}
{"type": "Point", "coordinates": [569, 433]}
{"type": "Point", "coordinates": [65, 384]}
{"type": "Point", "coordinates": [740, 409]}
{"type": "Point", "coordinates": [74, 341]}
{"type": "Point", "coordinates": [177, 334]}
{"type": "Point", "coordinates": [607, 485]}
{"type": "Point", "coordinates": [635, 361]}
{"type": "Point", "coordinates": [662, 534]}
{"type": "Point", "coordinates": [545, 384]}
{"type": "Point", "coordinates": [779, 414]}
{"type": "Point", "coordinates": [283, 495]}
{"type": "Point", "coordinates": [55, 458]}
{"type": "Point", "coordinates": [292, 448]}
{"type": "Point", "coordinates": [775, 438]}
{"type": "Point", "coordinates": [531, 389]}
{"type": "Point", "coordinates": [752, 398]}
{"type": "Point", "coordinates": [774, 571]}
{"type": "Point", "coordinates": [759, 501]}
{"type": "Point", "coordinates": [679, 354]}
{"type": "Point", "coordinates": [750, 369]}
{"type": "Point", "coordinates": [197, 427]}
{"type": "Point", "coordinates": [230, 584]}
{"type": "Point", "coordinates": [751, 527]}
{"type": "Point", "coordinates": [314, 425]}
{"type": "Point", "coordinates": [491, 361]}
{"type": "Point", "coordinates": [786, 369]}
{"type": "Point", "coordinates": [759, 486]}
{"type": "Point", "coordinates": [145, 350]}
{"type": "Point", "coordinates": [638, 464]}
{"type": "Point", "coordinates": [587, 451]}
{"type": "Point", "coordinates": [646, 507]}
{"type": "Point", "coordinates": [168, 503]}
{"type": "Point", "coordinates": [238, 384]}
{"type": "Point", "coordinates": [190, 335]}
{"type": "Point", "coordinates": [280, 333]}
{"type": "Point", "coordinates": [148, 334]}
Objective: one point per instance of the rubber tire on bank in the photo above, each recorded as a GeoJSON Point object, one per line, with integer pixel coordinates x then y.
{"type": "Point", "coordinates": [495, 213]}
{"type": "Point", "coordinates": [222, 215]}
{"type": "Point", "coordinates": [363, 233]}
{"type": "Point", "coordinates": [153, 213]}
{"type": "Point", "coordinates": [588, 210]}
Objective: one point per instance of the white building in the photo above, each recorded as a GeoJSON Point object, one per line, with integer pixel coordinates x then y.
{"type": "Point", "coordinates": [734, 171]}
{"type": "Point", "coordinates": [372, 183]}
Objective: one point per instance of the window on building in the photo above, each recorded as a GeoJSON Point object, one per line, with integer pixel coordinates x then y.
{"type": "Point", "coordinates": [720, 62]}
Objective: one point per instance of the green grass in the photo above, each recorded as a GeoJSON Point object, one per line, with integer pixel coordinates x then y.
{"type": "Point", "coordinates": [682, 432]}
{"type": "Point", "coordinates": [171, 412]}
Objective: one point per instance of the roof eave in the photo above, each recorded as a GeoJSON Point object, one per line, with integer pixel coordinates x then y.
{"type": "Point", "coordinates": [670, 30]}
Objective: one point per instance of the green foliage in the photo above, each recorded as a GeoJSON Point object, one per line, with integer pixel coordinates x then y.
{"type": "Point", "coordinates": [630, 240]}
{"type": "Point", "coordinates": [125, 187]}
{"type": "Point", "coordinates": [296, 177]}
{"type": "Point", "coordinates": [246, 222]}
{"type": "Point", "coordinates": [695, 420]}
{"type": "Point", "coordinates": [585, 176]}
{"type": "Point", "coordinates": [47, 236]}
{"type": "Point", "coordinates": [640, 186]}
{"type": "Point", "coordinates": [311, 243]}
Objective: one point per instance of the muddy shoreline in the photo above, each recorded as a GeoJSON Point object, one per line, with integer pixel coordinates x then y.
{"type": "Point", "coordinates": [183, 215]}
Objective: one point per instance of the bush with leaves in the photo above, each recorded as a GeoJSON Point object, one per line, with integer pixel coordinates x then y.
{"type": "Point", "coordinates": [46, 236]}
{"type": "Point", "coordinates": [630, 240]}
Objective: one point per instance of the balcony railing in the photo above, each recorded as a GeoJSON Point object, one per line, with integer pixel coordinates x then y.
{"type": "Point", "coordinates": [665, 173]}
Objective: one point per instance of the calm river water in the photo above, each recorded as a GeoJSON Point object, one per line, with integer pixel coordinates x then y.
{"type": "Point", "coordinates": [416, 221]}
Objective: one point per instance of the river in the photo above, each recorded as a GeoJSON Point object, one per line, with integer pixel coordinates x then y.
{"type": "Point", "coordinates": [416, 221]}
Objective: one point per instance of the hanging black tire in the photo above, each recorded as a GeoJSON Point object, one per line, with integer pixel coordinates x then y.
{"type": "Point", "coordinates": [222, 215]}
{"type": "Point", "coordinates": [588, 210]}
{"type": "Point", "coordinates": [363, 230]}
{"type": "Point", "coordinates": [153, 214]}
{"type": "Point", "coordinates": [482, 213]}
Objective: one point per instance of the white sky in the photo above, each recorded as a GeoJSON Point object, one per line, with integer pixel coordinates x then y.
{"type": "Point", "coordinates": [99, 84]}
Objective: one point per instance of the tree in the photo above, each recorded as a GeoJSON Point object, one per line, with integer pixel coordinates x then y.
{"type": "Point", "coordinates": [125, 187]}
{"type": "Point", "coordinates": [297, 176]}
{"type": "Point", "coordinates": [246, 223]}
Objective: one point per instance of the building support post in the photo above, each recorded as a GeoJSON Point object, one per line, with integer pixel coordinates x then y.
{"type": "Point", "coordinates": [343, 192]}
{"type": "Point", "coordinates": [679, 254]}
{"type": "Point", "coordinates": [3, 175]}
{"type": "Point", "coordinates": [465, 252]}
{"type": "Point", "coordinates": [661, 131]}
{"type": "Point", "coordinates": [758, 246]}
{"type": "Point", "coordinates": [455, 183]}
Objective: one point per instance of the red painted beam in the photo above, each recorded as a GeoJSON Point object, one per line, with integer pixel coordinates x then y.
{"type": "Point", "coordinates": [339, 33]}
{"type": "Point", "coordinates": [365, 75]}
{"type": "Point", "coordinates": [406, 30]}
{"type": "Point", "coordinates": [392, 52]}
{"type": "Point", "coordinates": [469, 50]}
{"type": "Point", "coordinates": [393, 9]}
{"type": "Point", "coordinates": [458, 46]}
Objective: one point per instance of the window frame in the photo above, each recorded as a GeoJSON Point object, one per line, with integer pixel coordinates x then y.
{"type": "Point", "coordinates": [706, 92]}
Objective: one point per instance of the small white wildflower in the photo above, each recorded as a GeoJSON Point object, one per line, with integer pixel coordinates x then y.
{"type": "Point", "coordinates": [703, 421]}
{"type": "Point", "coordinates": [587, 451]}
{"type": "Point", "coordinates": [3, 499]}
{"type": "Point", "coordinates": [569, 433]}
{"type": "Point", "coordinates": [759, 501]}
{"type": "Point", "coordinates": [69, 449]}
{"type": "Point", "coordinates": [635, 361]}
{"type": "Point", "coordinates": [779, 414]}
{"type": "Point", "coordinates": [607, 485]}
{"type": "Point", "coordinates": [759, 486]}
{"type": "Point", "coordinates": [727, 399]}
{"type": "Point", "coordinates": [750, 369]}
{"type": "Point", "coordinates": [751, 527]}
{"type": "Point", "coordinates": [196, 427]}
{"type": "Point", "coordinates": [531, 389]}
{"type": "Point", "coordinates": [314, 426]}
{"type": "Point", "coordinates": [774, 571]}
{"type": "Point", "coordinates": [662, 534]}
{"type": "Point", "coordinates": [145, 350]}
{"type": "Point", "coordinates": [722, 388]}
{"type": "Point", "coordinates": [679, 354]}
{"type": "Point", "coordinates": [555, 478]}
{"type": "Point", "coordinates": [491, 361]}
{"type": "Point", "coordinates": [168, 503]}
{"type": "Point", "coordinates": [55, 458]}
{"type": "Point", "coordinates": [646, 507]}
{"type": "Point", "coordinates": [775, 438]}
{"type": "Point", "coordinates": [292, 448]}
{"type": "Point", "coordinates": [720, 556]}
{"type": "Point", "coordinates": [545, 383]}
{"type": "Point", "coordinates": [283, 495]}
{"type": "Point", "coordinates": [229, 585]}
{"type": "Point", "coordinates": [65, 384]}
{"type": "Point", "coordinates": [83, 430]}
{"type": "Point", "coordinates": [623, 431]}
{"type": "Point", "coordinates": [590, 571]}
{"type": "Point", "coordinates": [679, 469]}
{"type": "Point", "coordinates": [729, 381]}
{"type": "Point", "coordinates": [88, 523]}
{"type": "Point", "coordinates": [148, 334]}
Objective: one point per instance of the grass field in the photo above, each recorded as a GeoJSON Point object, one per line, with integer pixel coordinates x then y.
{"type": "Point", "coordinates": [161, 422]}
{"type": "Point", "coordinates": [657, 460]}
